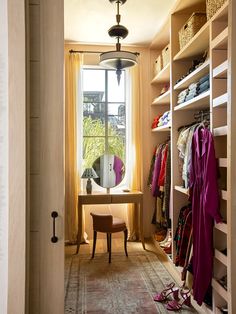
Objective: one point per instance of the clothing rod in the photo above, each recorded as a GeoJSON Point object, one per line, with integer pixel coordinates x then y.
{"type": "Point", "coordinates": [86, 51]}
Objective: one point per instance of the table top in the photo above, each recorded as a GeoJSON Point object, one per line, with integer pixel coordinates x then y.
{"type": "Point", "coordinates": [116, 192]}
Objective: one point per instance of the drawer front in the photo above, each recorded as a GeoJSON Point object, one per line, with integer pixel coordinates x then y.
{"type": "Point", "coordinates": [95, 199]}
{"type": "Point", "coordinates": [117, 199]}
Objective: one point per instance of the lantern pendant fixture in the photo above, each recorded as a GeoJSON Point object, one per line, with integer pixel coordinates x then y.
{"type": "Point", "coordinates": [118, 59]}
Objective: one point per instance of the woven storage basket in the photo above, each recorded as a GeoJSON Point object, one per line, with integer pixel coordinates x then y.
{"type": "Point", "coordinates": [165, 55]}
{"type": "Point", "coordinates": [212, 6]}
{"type": "Point", "coordinates": [191, 27]}
{"type": "Point", "coordinates": [158, 65]}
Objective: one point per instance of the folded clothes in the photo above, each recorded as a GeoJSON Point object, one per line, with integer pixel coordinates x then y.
{"type": "Point", "coordinates": [189, 97]}
{"type": "Point", "coordinates": [202, 90]}
{"type": "Point", "coordinates": [203, 85]}
{"type": "Point", "coordinates": [204, 78]}
{"type": "Point", "coordinates": [183, 93]}
{"type": "Point", "coordinates": [193, 86]}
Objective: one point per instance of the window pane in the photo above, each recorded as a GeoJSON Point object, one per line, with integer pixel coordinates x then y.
{"type": "Point", "coordinates": [116, 93]}
{"type": "Point", "coordinates": [116, 146]}
{"type": "Point", "coordinates": [94, 82]}
{"type": "Point", "coordinates": [94, 119]}
{"type": "Point", "coordinates": [116, 119]}
{"type": "Point", "coordinates": [92, 149]}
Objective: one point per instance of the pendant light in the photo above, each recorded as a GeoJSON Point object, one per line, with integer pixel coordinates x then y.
{"type": "Point", "coordinates": [118, 59]}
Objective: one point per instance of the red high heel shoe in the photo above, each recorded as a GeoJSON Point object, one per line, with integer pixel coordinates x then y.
{"type": "Point", "coordinates": [170, 289]}
{"type": "Point", "coordinates": [176, 306]}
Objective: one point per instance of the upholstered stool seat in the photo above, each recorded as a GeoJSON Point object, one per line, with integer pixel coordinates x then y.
{"type": "Point", "coordinates": [108, 224]}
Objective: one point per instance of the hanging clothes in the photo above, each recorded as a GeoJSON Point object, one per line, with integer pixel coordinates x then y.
{"type": "Point", "coordinates": [204, 196]}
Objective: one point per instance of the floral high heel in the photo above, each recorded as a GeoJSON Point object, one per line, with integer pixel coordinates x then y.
{"type": "Point", "coordinates": [174, 305]}
{"type": "Point", "coordinates": [170, 289]}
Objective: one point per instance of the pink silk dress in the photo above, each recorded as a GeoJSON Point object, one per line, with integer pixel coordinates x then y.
{"type": "Point", "coordinates": [204, 195]}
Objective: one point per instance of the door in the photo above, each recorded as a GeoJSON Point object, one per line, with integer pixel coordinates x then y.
{"type": "Point", "coordinates": [46, 156]}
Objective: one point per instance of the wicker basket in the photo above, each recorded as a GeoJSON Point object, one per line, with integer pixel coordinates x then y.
{"type": "Point", "coordinates": [165, 55]}
{"type": "Point", "coordinates": [212, 6]}
{"type": "Point", "coordinates": [191, 27]}
{"type": "Point", "coordinates": [158, 65]}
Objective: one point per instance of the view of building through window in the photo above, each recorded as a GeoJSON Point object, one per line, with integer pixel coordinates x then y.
{"type": "Point", "coordinates": [104, 115]}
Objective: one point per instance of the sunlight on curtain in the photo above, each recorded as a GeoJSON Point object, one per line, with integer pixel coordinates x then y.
{"type": "Point", "coordinates": [135, 150]}
{"type": "Point", "coordinates": [73, 64]}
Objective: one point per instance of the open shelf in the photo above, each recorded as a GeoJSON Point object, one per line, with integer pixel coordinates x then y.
{"type": "Point", "coordinates": [218, 288]}
{"type": "Point", "coordinates": [220, 131]}
{"type": "Point", "coordinates": [196, 46]}
{"type": "Point", "coordinates": [163, 128]}
{"type": "Point", "coordinates": [221, 41]}
{"type": "Point", "coordinates": [221, 257]}
{"type": "Point", "coordinates": [222, 13]}
{"type": "Point", "coordinates": [220, 101]}
{"type": "Point", "coordinates": [199, 102]}
{"type": "Point", "coordinates": [221, 70]}
{"type": "Point", "coordinates": [163, 99]}
{"type": "Point", "coordinates": [163, 76]}
{"type": "Point", "coordinates": [181, 189]}
{"type": "Point", "coordinates": [222, 227]}
{"type": "Point", "coordinates": [194, 76]}
{"type": "Point", "coordinates": [222, 162]}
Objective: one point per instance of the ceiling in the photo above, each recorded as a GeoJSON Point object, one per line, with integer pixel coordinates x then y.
{"type": "Point", "coordinates": [87, 21]}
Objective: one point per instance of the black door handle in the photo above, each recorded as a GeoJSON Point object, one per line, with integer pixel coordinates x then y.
{"type": "Point", "coordinates": [54, 238]}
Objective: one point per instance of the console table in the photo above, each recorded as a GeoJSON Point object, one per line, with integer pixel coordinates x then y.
{"type": "Point", "coordinates": [135, 197]}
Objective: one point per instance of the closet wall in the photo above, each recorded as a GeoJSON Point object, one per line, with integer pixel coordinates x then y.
{"type": "Point", "coordinates": [216, 36]}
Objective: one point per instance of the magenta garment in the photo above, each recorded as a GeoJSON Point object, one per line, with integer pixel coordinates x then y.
{"type": "Point", "coordinates": [156, 171]}
{"type": "Point", "coordinates": [117, 167]}
{"type": "Point", "coordinates": [204, 195]}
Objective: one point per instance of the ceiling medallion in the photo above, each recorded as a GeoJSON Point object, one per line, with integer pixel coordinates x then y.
{"type": "Point", "coordinates": [118, 59]}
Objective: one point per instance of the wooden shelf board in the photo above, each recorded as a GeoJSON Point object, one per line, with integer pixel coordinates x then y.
{"type": "Point", "coordinates": [163, 99]}
{"type": "Point", "coordinates": [197, 45]}
{"type": "Point", "coordinates": [181, 189]}
{"type": "Point", "coordinates": [220, 101]}
{"type": "Point", "coordinates": [199, 102]}
{"type": "Point", "coordinates": [222, 13]}
{"type": "Point", "coordinates": [220, 131]}
{"type": "Point", "coordinates": [163, 76]}
{"type": "Point", "coordinates": [194, 76]}
{"type": "Point", "coordinates": [222, 162]}
{"type": "Point", "coordinates": [221, 257]}
{"type": "Point", "coordinates": [221, 70]}
{"type": "Point", "coordinates": [224, 195]}
{"type": "Point", "coordinates": [218, 288]}
{"type": "Point", "coordinates": [222, 227]}
{"type": "Point", "coordinates": [220, 42]}
{"type": "Point", "coordinates": [163, 128]}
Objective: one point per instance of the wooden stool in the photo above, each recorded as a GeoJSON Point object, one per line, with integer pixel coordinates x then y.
{"type": "Point", "coordinates": [108, 224]}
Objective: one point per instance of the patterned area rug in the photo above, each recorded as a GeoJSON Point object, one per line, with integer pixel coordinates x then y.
{"type": "Point", "coordinates": [127, 285]}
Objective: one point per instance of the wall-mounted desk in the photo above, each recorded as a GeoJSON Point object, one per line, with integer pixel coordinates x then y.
{"type": "Point", "coordinates": [135, 197]}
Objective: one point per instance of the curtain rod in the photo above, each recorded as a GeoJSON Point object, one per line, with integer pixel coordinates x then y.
{"type": "Point", "coordinates": [86, 51]}
{"type": "Point", "coordinates": [83, 51]}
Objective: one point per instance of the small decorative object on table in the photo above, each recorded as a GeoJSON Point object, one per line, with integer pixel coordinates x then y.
{"type": "Point", "coordinates": [89, 174]}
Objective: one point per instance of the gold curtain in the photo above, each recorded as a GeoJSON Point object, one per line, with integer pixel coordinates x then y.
{"type": "Point", "coordinates": [73, 65]}
{"type": "Point", "coordinates": [135, 184]}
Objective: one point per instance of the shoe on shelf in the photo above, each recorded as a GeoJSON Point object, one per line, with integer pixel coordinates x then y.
{"type": "Point", "coordinates": [169, 290]}
{"type": "Point", "coordinates": [168, 249]}
{"type": "Point", "coordinates": [167, 238]}
{"type": "Point", "coordinates": [175, 305]}
{"type": "Point", "coordinates": [160, 235]}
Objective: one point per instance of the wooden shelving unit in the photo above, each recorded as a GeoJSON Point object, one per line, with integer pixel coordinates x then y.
{"type": "Point", "coordinates": [215, 36]}
{"type": "Point", "coordinates": [196, 46]}
{"type": "Point", "coordinates": [163, 128]}
{"type": "Point", "coordinates": [199, 102]}
{"type": "Point", "coordinates": [163, 99]}
{"type": "Point", "coordinates": [163, 76]}
{"type": "Point", "coordinates": [194, 76]}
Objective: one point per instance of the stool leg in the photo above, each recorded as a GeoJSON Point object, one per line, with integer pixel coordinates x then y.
{"type": "Point", "coordinates": [109, 247]}
{"type": "Point", "coordinates": [94, 242]}
{"type": "Point", "coordinates": [125, 241]}
{"type": "Point", "coordinates": [108, 242]}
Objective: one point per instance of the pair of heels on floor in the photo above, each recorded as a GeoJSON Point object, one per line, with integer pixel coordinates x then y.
{"type": "Point", "coordinates": [175, 304]}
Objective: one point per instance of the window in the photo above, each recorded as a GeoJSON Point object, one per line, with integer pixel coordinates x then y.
{"type": "Point", "coordinates": [104, 115]}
